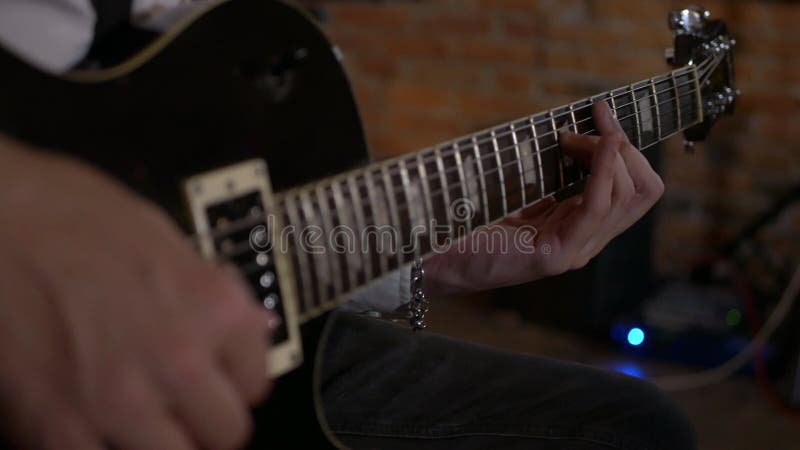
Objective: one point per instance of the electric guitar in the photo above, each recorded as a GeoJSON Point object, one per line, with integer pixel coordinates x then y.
{"type": "Point", "coordinates": [241, 123]}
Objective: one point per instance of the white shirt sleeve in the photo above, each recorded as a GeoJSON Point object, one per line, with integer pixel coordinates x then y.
{"type": "Point", "coordinates": [55, 35]}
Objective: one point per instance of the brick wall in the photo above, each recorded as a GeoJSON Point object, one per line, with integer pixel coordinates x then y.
{"type": "Point", "coordinates": [425, 71]}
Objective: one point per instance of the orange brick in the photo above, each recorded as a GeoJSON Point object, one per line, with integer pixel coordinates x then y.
{"type": "Point", "coordinates": [459, 25]}
{"type": "Point", "coordinates": [418, 98]}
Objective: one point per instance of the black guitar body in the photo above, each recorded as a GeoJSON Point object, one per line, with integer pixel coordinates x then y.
{"type": "Point", "coordinates": [246, 79]}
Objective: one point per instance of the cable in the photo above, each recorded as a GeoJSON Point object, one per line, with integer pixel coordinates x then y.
{"type": "Point", "coordinates": [726, 370]}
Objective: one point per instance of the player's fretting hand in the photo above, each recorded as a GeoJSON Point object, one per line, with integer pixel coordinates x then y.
{"type": "Point", "coordinates": [621, 189]}
{"type": "Point", "coordinates": [114, 332]}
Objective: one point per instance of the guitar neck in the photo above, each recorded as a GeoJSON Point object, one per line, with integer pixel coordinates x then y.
{"type": "Point", "coordinates": [353, 228]}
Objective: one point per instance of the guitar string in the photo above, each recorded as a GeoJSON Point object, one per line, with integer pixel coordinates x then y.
{"type": "Point", "coordinates": [395, 171]}
{"type": "Point", "coordinates": [500, 151]}
{"type": "Point", "coordinates": [453, 147]}
{"type": "Point", "coordinates": [255, 219]}
{"type": "Point", "coordinates": [628, 91]}
{"type": "Point", "coordinates": [243, 224]}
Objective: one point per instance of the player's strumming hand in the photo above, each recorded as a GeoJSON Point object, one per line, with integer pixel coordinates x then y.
{"type": "Point", "coordinates": [114, 333]}
{"type": "Point", "coordinates": [621, 189]}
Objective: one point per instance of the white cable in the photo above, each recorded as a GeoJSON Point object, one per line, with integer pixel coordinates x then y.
{"type": "Point", "coordinates": [727, 369]}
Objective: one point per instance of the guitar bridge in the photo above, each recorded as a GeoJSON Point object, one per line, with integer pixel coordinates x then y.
{"type": "Point", "coordinates": [230, 210]}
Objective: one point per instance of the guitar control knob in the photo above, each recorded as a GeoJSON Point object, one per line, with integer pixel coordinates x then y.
{"type": "Point", "coordinates": [688, 147]}
{"type": "Point", "coordinates": [267, 280]}
{"type": "Point", "coordinates": [271, 301]}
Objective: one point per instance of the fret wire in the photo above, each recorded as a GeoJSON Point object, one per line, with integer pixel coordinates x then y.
{"type": "Point", "coordinates": [501, 175]}
{"type": "Point", "coordinates": [575, 130]}
{"type": "Point", "coordinates": [658, 110]}
{"type": "Point", "coordinates": [411, 213]}
{"type": "Point", "coordinates": [308, 213]}
{"type": "Point", "coordinates": [445, 186]}
{"type": "Point", "coordinates": [462, 180]}
{"type": "Point", "coordinates": [390, 196]}
{"type": "Point", "coordinates": [515, 142]}
{"type": "Point", "coordinates": [572, 114]}
{"type": "Point", "coordinates": [481, 179]}
{"type": "Point", "coordinates": [426, 188]}
{"type": "Point", "coordinates": [560, 156]}
{"type": "Point", "coordinates": [677, 99]}
{"type": "Point", "coordinates": [697, 93]}
{"type": "Point", "coordinates": [333, 265]}
{"type": "Point", "coordinates": [338, 201]}
{"type": "Point", "coordinates": [361, 223]}
{"type": "Point", "coordinates": [635, 102]}
{"type": "Point", "coordinates": [383, 259]}
{"type": "Point", "coordinates": [302, 256]}
{"type": "Point", "coordinates": [538, 156]}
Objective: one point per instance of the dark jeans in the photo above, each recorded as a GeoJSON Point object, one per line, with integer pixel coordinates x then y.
{"type": "Point", "coordinates": [387, 388]}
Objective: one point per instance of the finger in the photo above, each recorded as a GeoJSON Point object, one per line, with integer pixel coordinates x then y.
{"type": "Point", "coordinates": [582, 223]}
{"type": "Point", "coordinates": [139, 419]}
{"type": "Point", "coordinates": [581, 147]}
{"type": "Point", "coordinates": [540, 209]}
{"type": "Point", "coordinates": [646, 181]}
{"type": "Point", "coordinates": [604, 120]}
{"type": "Point", "coordinates": [209, 406]}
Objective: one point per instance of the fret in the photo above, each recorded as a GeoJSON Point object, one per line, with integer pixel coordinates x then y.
{"type": "Point", "coordinates": [463, 182]}
{"type": "Point", "coordinates": [538, 157]}
{"type": "Point", "coordinates": [302, 257]}
{"type": "Point", "coordinates": [698, 95]}
{"type": "Point", "coordinates": [327, 226]}
{"type": "Point", "coordinates": [481, 180]}
{"type": "Point", "coordinates": [412, 211]}
{"type": "Point", "coordinates": [636, 116]}
{"type": "Point", "coordinates": [658, 109]}
{"type": "Point", "coordinates": [344, 210]}
{"type": "Point", "coordinates": [383, 257]}
{"type": "Point", "coordinates": [572, 116]}
{"type": "Point", "coordinates": [393, 210]}
{"type": "Point", "coordinates": [361, 225]}
{"type": "Point", "coordinates": [426, 189]}
{"type": "Point", "coordinates": [445, 187]}
{"type": "Point", "coordinates": [500, 173]}
{"type": "Point", "coordinates": [558, 149]}
{"type": "Point", "coordinates": [677, 99]}
{"type": "Point", "coordinates": [519, 165]}
{"type": "Point", "coordinates": [318, 263]}
{"type": "Point", "coordinates": [665, 99]}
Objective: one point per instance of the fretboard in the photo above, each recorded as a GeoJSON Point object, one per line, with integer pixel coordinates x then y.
{"type": "Point", "coordinates": [351, 229]}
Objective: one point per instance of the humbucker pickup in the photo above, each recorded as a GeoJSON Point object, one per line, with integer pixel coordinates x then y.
{"type": "Point", "coordinates": [230, 210]}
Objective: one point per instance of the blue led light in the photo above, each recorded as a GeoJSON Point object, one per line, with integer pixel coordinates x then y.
{"type": "Point", "coordinates": [635, 336]}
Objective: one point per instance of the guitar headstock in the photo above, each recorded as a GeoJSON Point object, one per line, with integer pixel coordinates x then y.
{"type": "Point", "coordinates": [706, 44]}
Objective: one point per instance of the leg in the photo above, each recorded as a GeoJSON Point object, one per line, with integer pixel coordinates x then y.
{"type": "Point", "coordinates": [385, 387]}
